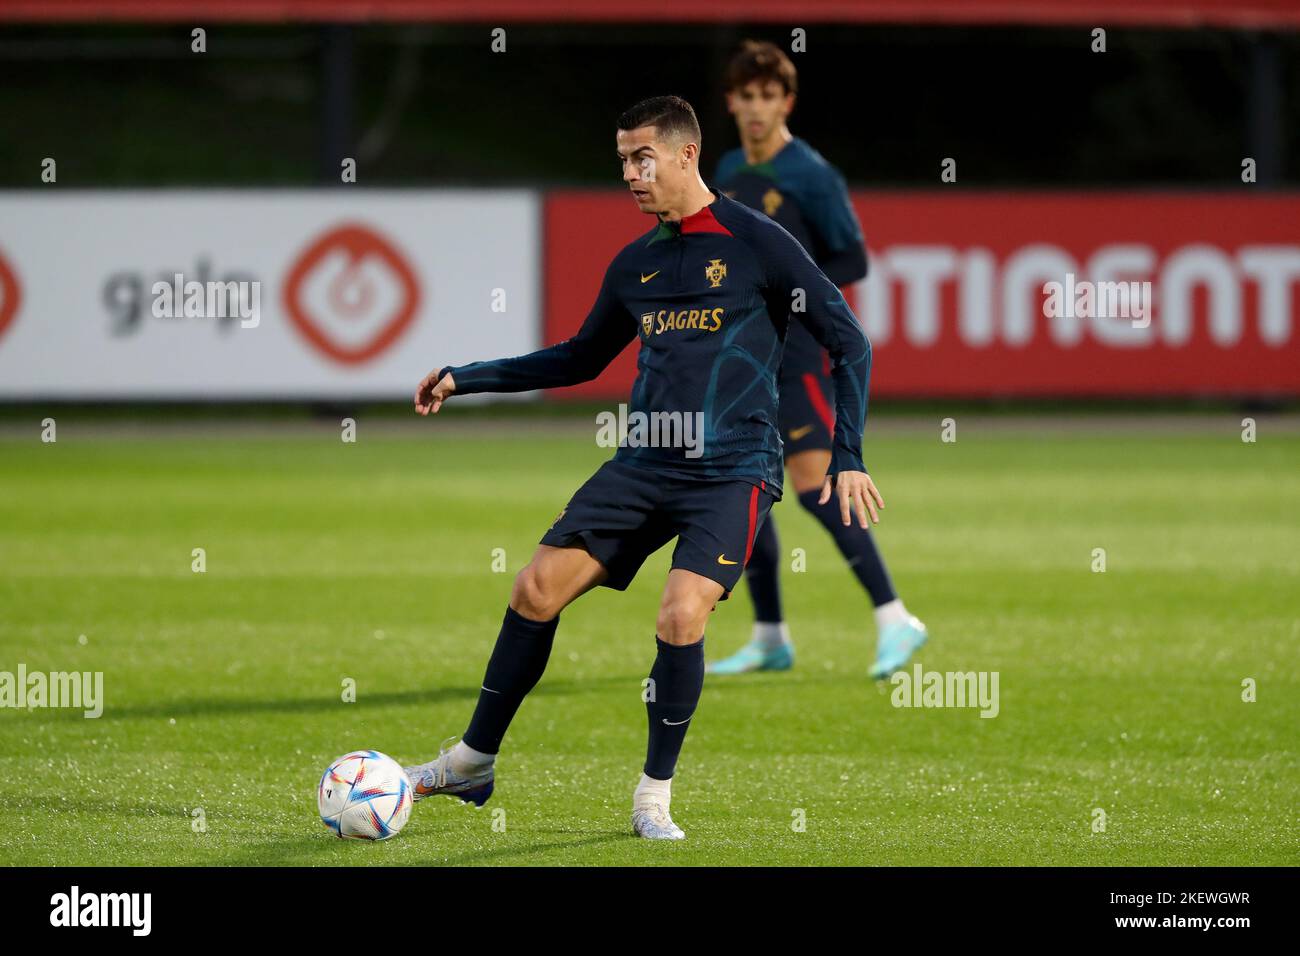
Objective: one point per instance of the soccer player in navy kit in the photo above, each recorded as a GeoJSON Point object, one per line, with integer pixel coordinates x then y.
{"type": "Point", "coordinates": [788, 180]}
{"type": "Point", "coordinates": [707, 293]}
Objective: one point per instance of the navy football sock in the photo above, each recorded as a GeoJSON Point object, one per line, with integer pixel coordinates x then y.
{"type": "Point", "coordinates": [677, 678]}
{"type": "Point", "coordinates": [857, 546]}
{"type": "Point", "coordinates": [764, 574]}
{"type": "Point", "coordinates": [516, 665]}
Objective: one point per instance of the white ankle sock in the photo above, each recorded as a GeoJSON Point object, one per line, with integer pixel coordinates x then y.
{"type": "Point", "coordinates": [465, 759]}
{"type": "Point", "coordinates": [771, 634]}
{"type": "Point", "coordinates": [891, 612]}
{"type": "Point", "coordinates": [651, 791]}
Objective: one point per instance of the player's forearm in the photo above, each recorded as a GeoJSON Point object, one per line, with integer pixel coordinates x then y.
{"type": "Point", "coordinates": [835, 327]}
{"type": "Point", "coordinates": [850, 379]}
{"type": "Point", "coordinates": [553, 367]}
{"type": "Point", "coordinates": [850, 352]}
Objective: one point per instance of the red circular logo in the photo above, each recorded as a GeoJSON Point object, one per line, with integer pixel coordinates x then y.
{"type": "Point", "coordinates": [351, 294]}
{"type": "Point", "coordinates": [11, 295]}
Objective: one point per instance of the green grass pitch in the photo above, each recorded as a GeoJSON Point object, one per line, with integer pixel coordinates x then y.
{"type": "Point", "coordinates": [373, 561]}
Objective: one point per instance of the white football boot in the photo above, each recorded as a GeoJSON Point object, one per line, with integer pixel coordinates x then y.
{"type": "Point", "coordinates": [439, 776]}
{"type": "Point", "coordinates": [652, 821]}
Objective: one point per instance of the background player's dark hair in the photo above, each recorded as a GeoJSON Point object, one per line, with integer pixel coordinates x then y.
{"type": "Point", "coordinates": [671, 116]}
{"type": "Point", "coordinates": [762, 61]}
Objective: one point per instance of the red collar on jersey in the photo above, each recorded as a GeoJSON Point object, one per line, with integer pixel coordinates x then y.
{"type": "Point", "coordinates": [704, 221]}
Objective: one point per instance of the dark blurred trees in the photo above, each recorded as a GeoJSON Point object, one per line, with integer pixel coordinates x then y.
{"type": "Point", "coordinates": [132, 106]}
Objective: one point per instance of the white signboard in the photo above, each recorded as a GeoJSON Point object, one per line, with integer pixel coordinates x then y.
{"type": "Point", "coordinates": [260, 294]}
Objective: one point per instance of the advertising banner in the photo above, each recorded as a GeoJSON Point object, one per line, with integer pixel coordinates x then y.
{"type": "Point", "coordinates": [248, 294]}
{"type": "Point", "coordinates": [1026, 294]}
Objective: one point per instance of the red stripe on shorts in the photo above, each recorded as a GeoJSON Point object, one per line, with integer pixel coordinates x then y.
{"type": "Point", "coordinates": [814, 390]}
{"type": "Point", "coordinates": [753, 520]}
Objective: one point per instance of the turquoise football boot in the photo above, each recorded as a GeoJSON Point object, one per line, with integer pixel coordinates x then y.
{"type": "Point", "coordinates": [755, 656]}
{"type": "Point", "coordinates": [896, 645]}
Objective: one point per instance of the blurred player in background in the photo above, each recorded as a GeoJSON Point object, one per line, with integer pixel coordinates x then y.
{"type": "Point", "coordinates": [789, 181]}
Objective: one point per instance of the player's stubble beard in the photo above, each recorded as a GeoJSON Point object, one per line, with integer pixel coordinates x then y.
{"type": "Point", "coordinates": [665, 206]}
{"type": "Point", "coordinates": [676, 198]}
{"type": "Point", "coordinates": [665, 197]}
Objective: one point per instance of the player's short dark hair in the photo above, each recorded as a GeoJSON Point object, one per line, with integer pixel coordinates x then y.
{"type": "Point", "coordinates": [762, 61]}
{"type": "Point", "coordinates": [671, 116]}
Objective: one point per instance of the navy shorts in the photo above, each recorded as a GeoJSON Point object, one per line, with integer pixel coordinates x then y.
{"type": "Point", "coordinates": [624, 514]}
{"type": "Point", "coordinates": [806, 414]}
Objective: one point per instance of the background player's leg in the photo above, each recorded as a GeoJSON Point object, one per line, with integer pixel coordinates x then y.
{"type": "Point", "coordinates": [769, 646]}
{"type": "Point", "coordinates": [763, 575]}
{"type": "Point", "coordinates": [552, 580]}
{"type": "Point", "coordinates": [677, 678]}
{"type": "Point", "coordinates": [899, 634]}
{"type": "Point", "coordinates": [807, 472]}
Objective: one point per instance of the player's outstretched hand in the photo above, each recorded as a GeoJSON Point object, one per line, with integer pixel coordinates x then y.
{"type": "Point", "coordinates": [857, 493]}
{"type": "Point", "coordinates": [433, 391]}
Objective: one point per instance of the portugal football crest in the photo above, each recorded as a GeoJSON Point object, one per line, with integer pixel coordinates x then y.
{"type": "Point", "coordinates": [715, 272]}
{"type": "Point", "coordinates": [772, 202]}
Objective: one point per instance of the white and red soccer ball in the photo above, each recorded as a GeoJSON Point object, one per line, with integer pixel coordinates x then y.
{"type": "Point", "coordinates": [364, 795]}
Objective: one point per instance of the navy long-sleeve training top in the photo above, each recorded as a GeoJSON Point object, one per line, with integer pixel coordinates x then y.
{"type": "Point", "coordinates": [710, 298]}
